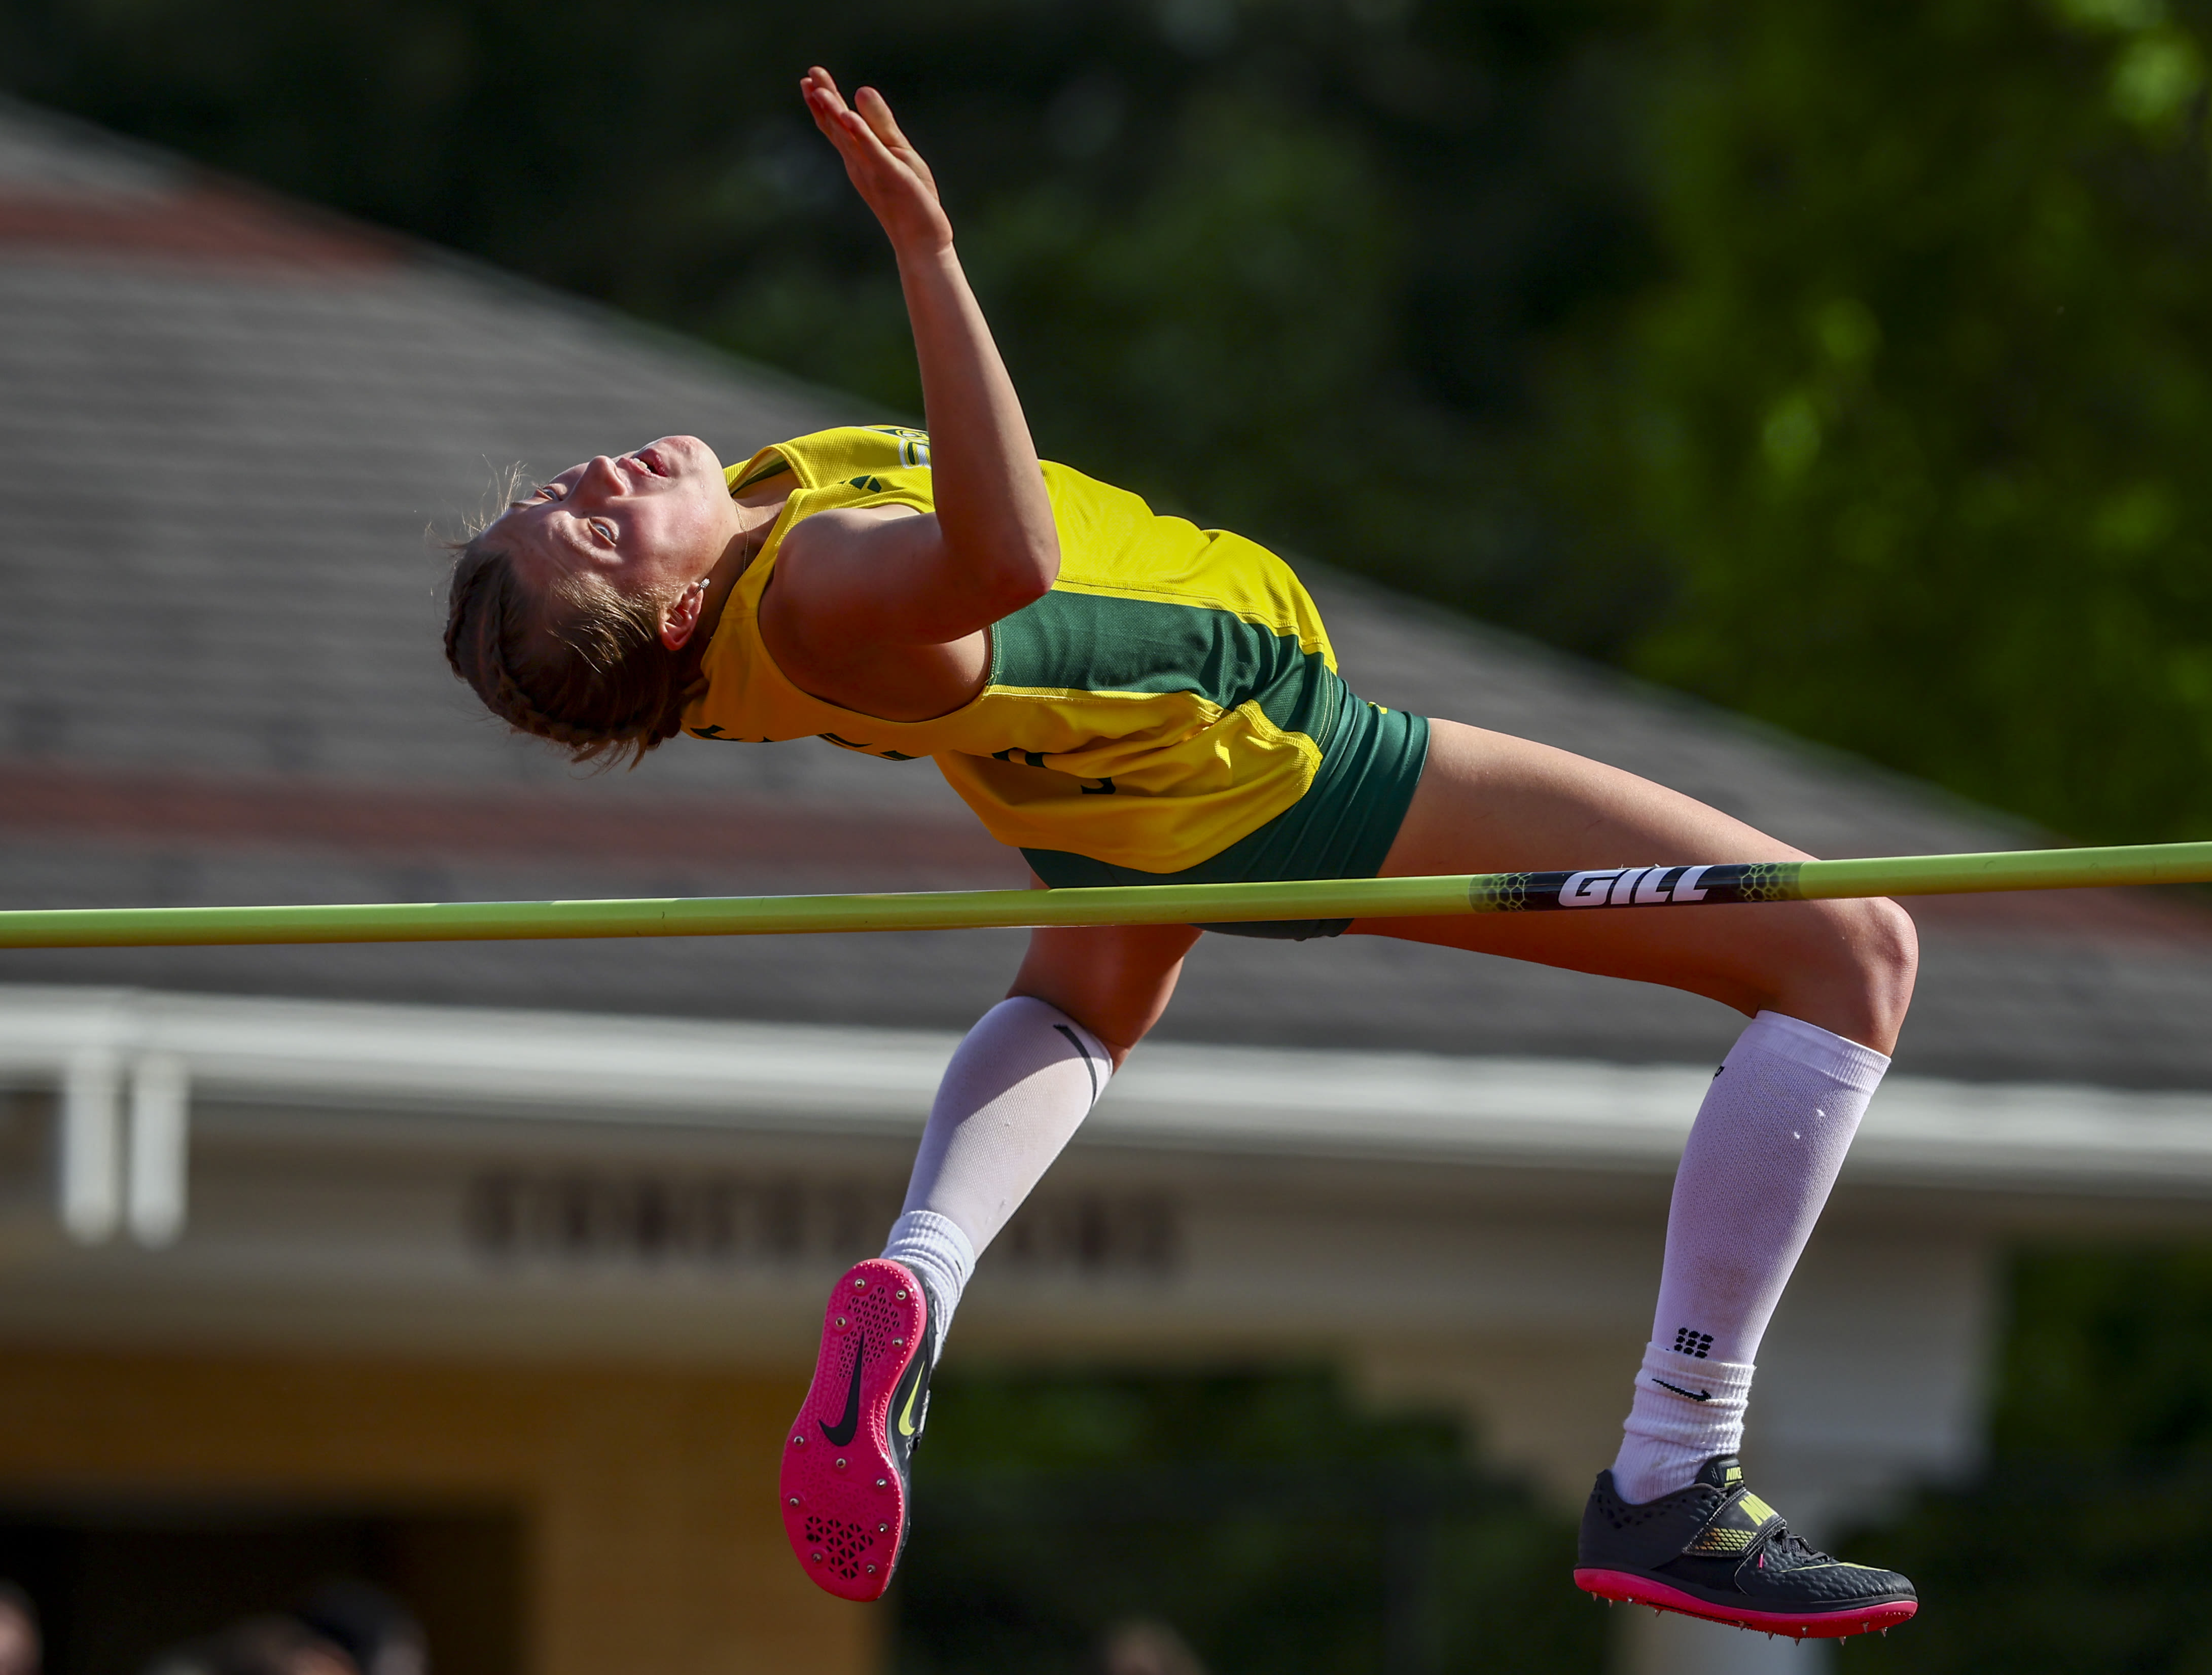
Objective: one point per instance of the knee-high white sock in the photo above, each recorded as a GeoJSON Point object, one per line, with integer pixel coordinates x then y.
{"type": "Point", "coordinates": [1015, 1092]}
{"type": "Point", "coordinates": [1768, 1142]}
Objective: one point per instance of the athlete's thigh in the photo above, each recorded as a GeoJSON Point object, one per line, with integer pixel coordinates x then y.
{"type": "Point", "coordinates": [1489, 803]}
{"type": "Point", "coordinates": [1114, 979]}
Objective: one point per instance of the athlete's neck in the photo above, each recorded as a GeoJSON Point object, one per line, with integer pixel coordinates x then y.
{"type": "Point", "coordinates": [758, 509]}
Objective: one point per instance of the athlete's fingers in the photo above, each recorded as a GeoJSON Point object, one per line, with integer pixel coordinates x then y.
{"type": "Point", "coordinates": [865, 155]}
{"type": "Point", "coordinates": [823, 103]}
{"type": "Point", "coordinates": [876, 109]}
{"type": "Point", "coordinates": [838, 120]}
{"type": "Point", "coordinates": [871, 111]}
{"type": "Point", "coordinates": [865, 148]}
{"type": "Point", "coordinates": [879, 159]}
{"type": "Point", "coordinates": [878, 112]}
{"type": "Point", "coordinates": [827, 105]}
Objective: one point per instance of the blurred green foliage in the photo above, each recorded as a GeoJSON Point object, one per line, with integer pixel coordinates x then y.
{"type": "Point", "coordinates": [1918, 424]}
{"type": "Point", "coordinates": [1286, 265]}
{"type": "Point", "coordinates": [1274, 1526]}
{"type": "Point", "coordinates": [2082, 1551]}
{"type": "Point", "coordinates": [2108, 1357]}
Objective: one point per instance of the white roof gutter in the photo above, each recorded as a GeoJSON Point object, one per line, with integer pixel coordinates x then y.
{"type": "Point", "coordinates": [128, 1061]}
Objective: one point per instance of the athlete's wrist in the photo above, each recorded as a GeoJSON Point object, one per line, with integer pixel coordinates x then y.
{"type": "Point", "coordinates": [923, 256]}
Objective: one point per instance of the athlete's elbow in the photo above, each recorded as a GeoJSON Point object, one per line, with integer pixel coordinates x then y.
{"type": "Point", "coordinates": [1037, 580]}
{"type": "Point", "coordinates": [1026, 575]}
{"type": "Point", "coordinates": [997, 574]}
{"type": "Point", "coordinates": [1002, 599]}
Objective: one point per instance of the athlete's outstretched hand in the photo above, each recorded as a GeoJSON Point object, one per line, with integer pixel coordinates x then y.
{"type": "Point", "coordinates": [884, 613]}
{"type": "Point", "coordinates": [884, 165]}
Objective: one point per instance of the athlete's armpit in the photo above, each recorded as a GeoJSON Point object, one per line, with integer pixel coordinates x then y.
{"type": "Point", "coordinates": [859, 614]}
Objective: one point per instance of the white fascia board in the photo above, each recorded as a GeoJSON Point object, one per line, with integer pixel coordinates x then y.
{"type": "Point", "coordinates": [553, 1066]}
{"type": "Point", "coordinates": [1632, 1118]}
{"type": "Point", "coordinates": [1546, 1112]}
{"type": "Point", "coordinates": [1383, 1107]}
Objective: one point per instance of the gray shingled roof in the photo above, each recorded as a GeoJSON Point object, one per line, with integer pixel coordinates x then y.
{"type": "Point", "coordinates": [231, 421]}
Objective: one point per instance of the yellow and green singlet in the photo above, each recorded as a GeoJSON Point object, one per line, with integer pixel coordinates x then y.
{"type": "Point", "coordinates": [1171, 694]}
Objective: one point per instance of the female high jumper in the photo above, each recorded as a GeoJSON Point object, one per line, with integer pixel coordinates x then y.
{"type": "Point", "coordinates": [1129, 699]}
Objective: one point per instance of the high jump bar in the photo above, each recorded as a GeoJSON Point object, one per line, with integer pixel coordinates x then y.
{"type": "Point", "coordinates": [1590, 889]}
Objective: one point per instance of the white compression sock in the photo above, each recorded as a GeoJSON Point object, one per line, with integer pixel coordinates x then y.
{"type": "Point", "coordinates": [1015, 1092]}
{"type": "Point", "coordinates": [1768, 1142]}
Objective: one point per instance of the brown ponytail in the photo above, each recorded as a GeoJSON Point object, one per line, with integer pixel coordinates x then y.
{"type": "Point", "coordinates": [579, 664]}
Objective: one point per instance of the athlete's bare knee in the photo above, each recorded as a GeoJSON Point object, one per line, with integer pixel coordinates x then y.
{"type": "Point", "coordinates": [1116, 982]}
{"type": "Point", "coordinates": [1856, 976]}
{"type": "Point", "coordinates": [1886, 946]}
{"type": "Point", "coordinates": [1117, 1028]}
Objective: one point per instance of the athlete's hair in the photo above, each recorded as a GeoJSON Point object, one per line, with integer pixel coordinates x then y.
{"type": "Point", "coordinates": [579, 664]}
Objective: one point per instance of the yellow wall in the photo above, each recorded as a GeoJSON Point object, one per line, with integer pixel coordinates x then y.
{"type": "Point", "coordinates": [651, 1542]}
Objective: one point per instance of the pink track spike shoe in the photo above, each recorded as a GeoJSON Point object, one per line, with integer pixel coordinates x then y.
{"type": "Point", "coordinates": [845, 1483]}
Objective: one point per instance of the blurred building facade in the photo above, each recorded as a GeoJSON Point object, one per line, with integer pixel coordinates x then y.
{"type": "Point", "coordinates": [495, 1267]}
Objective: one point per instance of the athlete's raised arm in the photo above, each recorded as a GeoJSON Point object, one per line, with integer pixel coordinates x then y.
{"type": "Point", "coordinates": [850, 585]}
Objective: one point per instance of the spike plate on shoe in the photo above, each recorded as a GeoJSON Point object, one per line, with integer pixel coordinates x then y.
{"type": "Point", "coordinates": [1612, 1585]}
{"type": "Point", "coordinates": [842, 1489]}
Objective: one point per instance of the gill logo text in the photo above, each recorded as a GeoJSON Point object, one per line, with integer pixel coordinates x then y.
{"type": "Point", "coordinates": [1634, 886]}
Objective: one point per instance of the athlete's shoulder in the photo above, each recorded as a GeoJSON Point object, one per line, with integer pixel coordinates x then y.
{"type": "Point", "coordinates": [836, 455]}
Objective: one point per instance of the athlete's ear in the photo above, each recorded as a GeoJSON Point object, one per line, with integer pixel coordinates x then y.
{"type": "Point", "coordinates": [681, 620]}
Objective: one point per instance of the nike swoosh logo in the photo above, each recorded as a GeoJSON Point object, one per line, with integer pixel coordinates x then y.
{"type": "Point", "coordinates": [1090, 1063]}
{"type": "Point", "coordinates": [1694, 1395]}
{"type": "Point", "coordinates": [906, 1414]}
{"type": "Point", "coordinates": [841, 1432]}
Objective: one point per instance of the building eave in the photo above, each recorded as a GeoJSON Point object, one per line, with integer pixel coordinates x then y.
{"type": "Point", "coordinates": [563, 1068]}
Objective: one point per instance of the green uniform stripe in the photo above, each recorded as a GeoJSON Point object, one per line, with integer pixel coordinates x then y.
{"type": "Point", "coordinates": [1089, 642]}
{"type": "Point", "coordinates": [775, 467]}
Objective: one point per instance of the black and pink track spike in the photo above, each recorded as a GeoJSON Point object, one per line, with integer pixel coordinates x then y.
{"type": "Point", "coordinates": [1715, 1550]}
{"type": "Point", "coordinates": [845, 1484]}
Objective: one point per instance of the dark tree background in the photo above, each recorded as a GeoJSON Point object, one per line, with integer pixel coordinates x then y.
{"type": "Point", "coordinates": [1289, 267]}
{"type": "Point", "coordinates": [1263, 1516]}
{"type": "Point", "coordinates": [2082, 1550]}
{"type": "Point", "coordinates": [1917, 425]}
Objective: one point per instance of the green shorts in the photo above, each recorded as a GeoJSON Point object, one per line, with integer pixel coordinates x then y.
{"type": "Point", "coordinates": [1342, 827]}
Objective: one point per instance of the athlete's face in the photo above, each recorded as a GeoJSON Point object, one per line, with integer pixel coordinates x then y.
{"type": "Point", "coordinates": [650, 522]}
